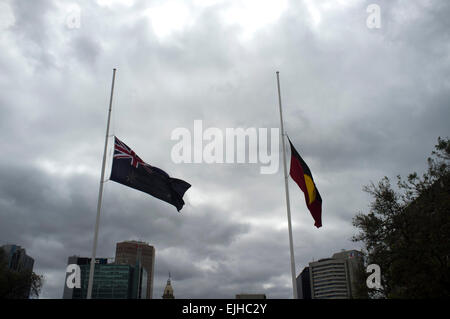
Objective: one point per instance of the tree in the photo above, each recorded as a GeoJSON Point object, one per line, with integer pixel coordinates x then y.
{"type": "Point", "coordinates": [18, 285]}
{"type": "Point", "coordinates": [406, 231]}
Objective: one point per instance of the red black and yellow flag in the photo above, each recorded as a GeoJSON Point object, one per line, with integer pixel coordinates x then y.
{"type": "Point", "coordinates": [301, 174]}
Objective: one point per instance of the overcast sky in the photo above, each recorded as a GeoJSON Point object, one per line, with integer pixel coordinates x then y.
{"type": "Point", "coordinates": [359, 103]}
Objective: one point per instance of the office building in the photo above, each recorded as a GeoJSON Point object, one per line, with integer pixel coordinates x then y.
{"type": "Point", "coordinates": [111, 281]}
{"type": "Point", "coordinates": [18, 260]}
{"type": "Point", "coordinates": [129, 252]}
{"type": "Point", "coordinates": [354, 260]}
{"type": "Point", "coordinates": [335, 277]}
{"type": "Point", "coordinates": [304, 285]}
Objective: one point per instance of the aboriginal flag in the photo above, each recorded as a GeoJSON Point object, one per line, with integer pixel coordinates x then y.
{"type": "Point", "coordinates": [301, 174]}
{"type": "Point", "coordinates": [130, 170]}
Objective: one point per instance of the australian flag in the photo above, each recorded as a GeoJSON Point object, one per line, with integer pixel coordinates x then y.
{"type": "Point", "coordinates": [130, 170]}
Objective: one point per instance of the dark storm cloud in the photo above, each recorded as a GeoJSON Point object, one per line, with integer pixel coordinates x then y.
{"type": "Point", "coordinates": [358, 104]}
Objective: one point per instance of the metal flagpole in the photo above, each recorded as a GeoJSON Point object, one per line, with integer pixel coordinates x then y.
{"type": "Point", "coordinates": [100, 194]}
{"type": "Point", "coordinates": [288, 205]}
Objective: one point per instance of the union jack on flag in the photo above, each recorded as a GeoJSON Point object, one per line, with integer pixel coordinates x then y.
{"type": "Point", "coordinates": [130, 170]}
{"type": "Point", "coordinates": [122, 151]}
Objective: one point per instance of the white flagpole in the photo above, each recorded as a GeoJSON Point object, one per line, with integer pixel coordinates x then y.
{"type": "Point", "coordinates": [288, 205]}
{"type": "Point", "coordinates": [100, 194]}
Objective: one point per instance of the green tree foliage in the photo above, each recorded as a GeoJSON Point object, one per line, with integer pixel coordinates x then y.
{"type": "Point", "coordinates": [16, 285]}
{"type": "Point", "coordinates": [406, 231]}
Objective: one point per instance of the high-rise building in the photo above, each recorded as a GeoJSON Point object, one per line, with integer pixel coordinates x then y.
{"type": "Point", "coordinates": [111, 281]}
{"type": "Point", "coordinates": [130, 252]}
{"type": "Point", "coordinates": [354, 259]}
{"type": "Point", "coordinates": [19, 261]}
{"type": "Point", "coordinates": [335, 277]}
{"type": "Point", "coordinates": [303, 284]}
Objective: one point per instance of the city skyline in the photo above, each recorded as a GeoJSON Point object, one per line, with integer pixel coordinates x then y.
{"type": "Point", "coordinates": [359, 103]}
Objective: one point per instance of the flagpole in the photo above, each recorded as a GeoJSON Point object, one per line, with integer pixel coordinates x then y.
{"type": "Point", "coordinates": [288, 205]}
{"type": "Point", "coordinates": [100, 195]}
